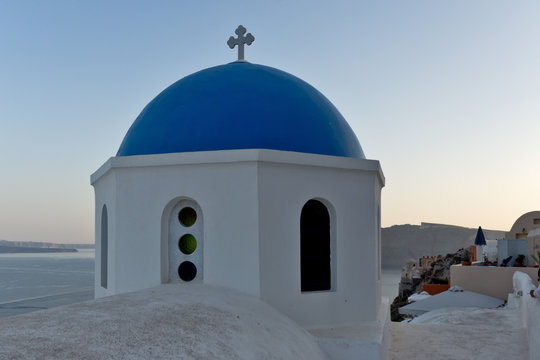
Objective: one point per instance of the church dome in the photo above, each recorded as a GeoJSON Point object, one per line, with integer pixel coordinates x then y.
{"type": "Point", "coordinates": [240, 106]}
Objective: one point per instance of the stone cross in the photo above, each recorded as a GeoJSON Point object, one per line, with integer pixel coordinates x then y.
{"type": "Point", "coordinates": [240, 41]}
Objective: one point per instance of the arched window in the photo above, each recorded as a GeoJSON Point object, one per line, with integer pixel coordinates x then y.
{"type": "Point", "coordinates": [378, 242]}
{"type": "Point", "coordinates": [315, 247]}
{"type": "Point", "coordinates": [185, 242]}
{"type": "Point", "coordinates": [104, 246]}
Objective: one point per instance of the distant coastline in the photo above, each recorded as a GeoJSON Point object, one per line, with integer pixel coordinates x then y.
{"type": "Point", "coordinates": [13, 247]}
{"type": "Point", "coordinates": [18, 249]}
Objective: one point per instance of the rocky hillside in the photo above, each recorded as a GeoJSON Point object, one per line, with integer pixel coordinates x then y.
{"type": "Point", "coordinates": [413, 276]}
{"type": "Point", "coordinates": [403, 242]}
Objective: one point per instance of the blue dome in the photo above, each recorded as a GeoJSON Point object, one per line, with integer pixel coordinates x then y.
{"type": "Point", "coordinates": [240, 106]}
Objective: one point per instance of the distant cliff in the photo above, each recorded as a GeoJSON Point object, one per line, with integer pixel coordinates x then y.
{"type": "Point", "coordinates": [403, 242]}
{"type": "Point", "coordinates": [39, 247]}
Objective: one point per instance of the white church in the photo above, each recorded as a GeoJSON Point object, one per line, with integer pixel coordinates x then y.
{"type": "Point", "coordinates": [245, 177]}
{"type": "Point", "coordinates": [241, 219]}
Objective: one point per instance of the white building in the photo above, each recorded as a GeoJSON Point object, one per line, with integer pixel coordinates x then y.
{"type": "Point", "coordinates": [526, 230]}
{"type": "Point", "coordinates": [246, 177]}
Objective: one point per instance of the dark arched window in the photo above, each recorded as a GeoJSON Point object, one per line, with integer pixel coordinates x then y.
{"type": "Point", "coordinates": [315, 247]}
{"type": "Point", "coordinates": [104, 246]}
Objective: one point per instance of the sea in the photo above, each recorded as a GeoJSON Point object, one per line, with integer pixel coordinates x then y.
{"type": "Point", "coordinates": [31, 282]}
{"type": "Point", "coordinates": [42, 280]}
{"type": "Point", "coordinates": [390, 277]}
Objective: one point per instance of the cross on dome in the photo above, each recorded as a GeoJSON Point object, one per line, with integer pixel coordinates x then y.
{"type": "Point", "coordinates": [240, 41]}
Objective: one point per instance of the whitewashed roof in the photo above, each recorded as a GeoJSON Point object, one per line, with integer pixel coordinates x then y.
{"type": "Point", "coordinates": [171, 321]}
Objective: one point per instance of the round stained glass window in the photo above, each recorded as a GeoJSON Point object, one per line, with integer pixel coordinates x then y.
{"type": "Point", "coordinates": [187, 271]}
{"type": "Point", "coordinates": [187, 216]}
{"type": "Point", "coordinates": [187, 244]}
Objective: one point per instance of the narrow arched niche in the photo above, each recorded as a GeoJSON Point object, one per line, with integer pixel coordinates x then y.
{"type": "Point", "coordinates": [379, 243]}
{"type": "Point", "coordinates": [315, 247]}
{"type": "Point", "coordinates": [104, 246]}
{"type": "Point", "coordinates": [184, 242]}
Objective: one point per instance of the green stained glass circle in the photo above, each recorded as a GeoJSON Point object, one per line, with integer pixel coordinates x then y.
{"type": "Point", "coordinates": [187, 244]}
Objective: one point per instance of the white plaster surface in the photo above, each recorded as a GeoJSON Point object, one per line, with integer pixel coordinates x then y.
{"type": "Point", "coordinates": [448, 299]}
{"type": "Point", "coordinates": [367, 340]}
{"type": "Point", "coordinates": [352, 198]}
{"type": "Point", "coordinates": [170, 321]}
{"type": "Point", "coordinates": [529, 309]}
{"type": "Point", "coordinates": [524, 224]}
{"type": "Point", "coordinates": [464, 333]}
{"type": "Point", "coordinates": [252, 202]}
{"type": "Point", "coordinates": [471, 316]}
{"type": "Point", "coordinates": [461, 334]}
{"type": "Point", "coordinates": [488, 280]}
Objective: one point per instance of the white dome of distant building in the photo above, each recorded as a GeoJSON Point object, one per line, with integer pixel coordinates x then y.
{"type": "Point", "coordinates": [164, 322]}
{"type": "Point", "coordinates": [523, 225]}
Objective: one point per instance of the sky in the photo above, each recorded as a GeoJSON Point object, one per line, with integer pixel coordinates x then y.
{"type": "Point", "coordinates": [445, 94]}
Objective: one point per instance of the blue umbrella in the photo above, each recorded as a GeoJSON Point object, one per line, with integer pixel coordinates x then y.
{"type": "Point", "coordinates": [480, 238]}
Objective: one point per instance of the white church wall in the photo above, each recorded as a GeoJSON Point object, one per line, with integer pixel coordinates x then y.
{"type": "Point", "coordinates": [225, 190]}
{"type": "Point", "coordinates": [251, 201]}
{"type": "Point", "coordinates": [104, 196]}
{"type": "Point", "coordinates": [350, 192]}
{"type": "Point", "coordinates": [137, 230]}
{"type": "Point", "coordinates": [378, 245]}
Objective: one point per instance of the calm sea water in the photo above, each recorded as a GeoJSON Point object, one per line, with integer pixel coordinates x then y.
{"type": "Point", "coordinates": [28, 276]}
{"type": "Point", "coordinates": [390, 282]}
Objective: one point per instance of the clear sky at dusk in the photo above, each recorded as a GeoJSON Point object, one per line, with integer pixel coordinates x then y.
{"type": "Point", "coordinates": [446, 94]}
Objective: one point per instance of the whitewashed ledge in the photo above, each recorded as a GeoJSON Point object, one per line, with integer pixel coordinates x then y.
{"type": "Point", "coordinates": [172, 321]}
{"type": "Point", "coordinates": [529, 308]}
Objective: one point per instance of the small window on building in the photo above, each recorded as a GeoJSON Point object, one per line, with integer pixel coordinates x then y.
{"type": "Point", "coordinates": [536, 221]}
{"type": "Point", "coordinates": [315, 247]}
{"type": "Point", "coordinates": [185, 242]}
{"type": "Point", "coordinates": [187, 216]}
{"type": "Point", "coordinates": [104, 246]}
{"type": "Point", "coordinates": [187, 271]}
